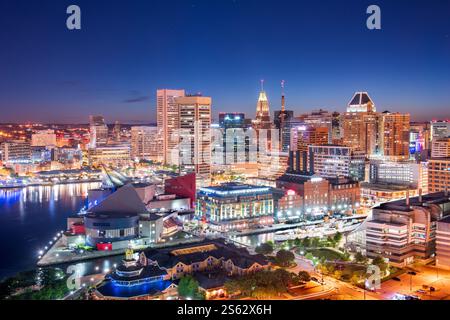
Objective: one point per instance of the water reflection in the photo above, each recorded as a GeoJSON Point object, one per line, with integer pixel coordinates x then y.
{"type": "Point", "coordinates": [30, 217]}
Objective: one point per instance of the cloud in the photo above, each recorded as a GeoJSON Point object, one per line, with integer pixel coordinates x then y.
{"type": "Point", "coordinates": [136, 99]}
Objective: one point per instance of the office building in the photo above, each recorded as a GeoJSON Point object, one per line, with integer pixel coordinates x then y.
{"type": "Point", "coordinates": [404, 231]}
{"type": "Point", "coordinates": [145, 143]}
{"type": "Point", "coordinates": [443, 243]}
{"type": "Point", "coordinates": [43, 138]}
{"type": "Point", "coordinates": [110, 155]}
{"type": "Point", "coordinates": [304, 136]}
{"type": "Point", "coordinates": [168, 123]}
{"type": "Point", "coordinates": [438, 174]}
{"type": "Point", "coordinates": [98, 131]}
{"type": "Point", "coordinates": [440, 148]}
{"type": "Point", "coordinates": [195, 137]}
{"type": "Point", "coordinates": [317, 196]}
{"type": "Point", "coordinates": [17, 151]}
{"type": "Point", "coordinates": [440, 129]}
{"type": "Point", "coordinates": [232, 206]}
{"type": "Point", "coordinates": [360, 124]}
{"type": "Point", "coordinates": [394, 134]}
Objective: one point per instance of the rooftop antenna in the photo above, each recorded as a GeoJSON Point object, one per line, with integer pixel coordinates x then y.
{"type": "Point", "coordinates": [262, 84]}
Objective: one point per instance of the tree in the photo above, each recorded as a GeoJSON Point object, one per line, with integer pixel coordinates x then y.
{"type": "Point", "coordinates": [380, 263]}
{"type": "Point", "coordinates": [337, 237]}
{"type": "Point", "coordinates": [315, 242]}
{"type": "Point", "coordinates": [306, 242]}
{"type": "Point", "coordinates": [265, 248]}
{"type": "Point", "coordinates": [360, 258]}
{"type": "Point", "coordinates": [284, 257]}
{"type": "Point", "coordinates": [188, 288]}
{"type": "Point", "coordinates": [304, 276]}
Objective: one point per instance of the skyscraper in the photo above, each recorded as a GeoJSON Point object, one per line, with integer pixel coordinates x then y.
{"type": "Point", "coordinates": [168, 122]}
{"type": "Point", "coordinates": [360, 124]}
{"type": "Point", "coordinates": [394, 134]}
{"type": "Point", "coordinates": [195, 137]}
{"type": "Point", "coordinates": [262, 120]}
{"type": "Point", "coordinates": [98, 131]}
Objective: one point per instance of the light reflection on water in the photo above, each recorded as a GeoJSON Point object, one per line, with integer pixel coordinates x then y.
{"type": "Point", "coordinates": [30, 217]}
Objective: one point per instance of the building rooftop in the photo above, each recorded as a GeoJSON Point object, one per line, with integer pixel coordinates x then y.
{"type": "Point", "coordinates": [232, 188]}
{"type": "Point", "coordinates": [200, 251]}
{"type": "Point", "coordinates": [124, 201]}
{"type": "Point", "coordinates": [400, 205]}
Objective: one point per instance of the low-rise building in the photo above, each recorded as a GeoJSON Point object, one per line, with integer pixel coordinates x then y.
{"type": "Point", "coordinates": [235, 206]}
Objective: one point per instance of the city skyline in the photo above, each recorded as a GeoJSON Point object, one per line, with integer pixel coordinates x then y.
{"type": "Point", "coordinates": [55, 75]}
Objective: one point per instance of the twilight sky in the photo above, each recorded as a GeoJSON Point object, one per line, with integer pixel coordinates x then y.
{"type": "Point", "coordinates": [221, 48]}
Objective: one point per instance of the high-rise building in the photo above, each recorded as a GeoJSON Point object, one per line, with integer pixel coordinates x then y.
{"type": "Point", "coordinates": [43, 138]}
{"type": "Point", "coordinates": [235, 142]}
{"type": "Point", "coordinates": [438, 174]}
{"type": "Point", "coordinates": [330, 161]}
{"type": "Point", "coordinates": [305, 136]}
{"type": "Point", "coordinates": [394, 134]}
{"type": "Point", "coordinates": [440, 129]}
{"type": "Point", "coordinates": [98, 131]}
{"type": "Point", "coordinates": [195, 136]}
{"type": "Point", "coordinates": [145, 143]}
{"type": "Point", "coordinates": [360, 124]}
{"type": "Point", "coordinates": [262, 120]}
{"type": "Point", "coordinates": [440, 148]}
{"type": "Point", "coordinates": [361, 102]}
{"type": "Point", "coordinates": [117, 131]}
{"type": "Point", "coordinates": [168, 122]}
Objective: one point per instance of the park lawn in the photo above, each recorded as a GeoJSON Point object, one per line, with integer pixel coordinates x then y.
{"type": "Point", "coordinates": [327, 254]}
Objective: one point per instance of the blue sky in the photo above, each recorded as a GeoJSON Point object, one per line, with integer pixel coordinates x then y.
{"type": "Point", "coordinates": [221, 48]}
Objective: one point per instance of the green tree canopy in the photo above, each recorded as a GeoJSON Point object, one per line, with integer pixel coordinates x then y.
{"type": "Point", "coordinates": [188, 288]}
{"type": "Point", "coordinates": [285, 257]}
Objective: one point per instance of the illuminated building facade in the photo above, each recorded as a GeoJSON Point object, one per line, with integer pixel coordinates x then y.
{"type": "Point", "coordinates": [232, 206]}
{"type": "Point", "coordinates": [168, 123]}
{"type": "Point", "coordinates": [332, 161]}
{"type": "Point", "coordinates": [440, 148]}
{"type": "Point", "coordinates": [114, 155]}
{"type": "Point", "coordinates": [394, 134]}
{"type": "Point", "coordinates": [17, 151]}
{"type": "Point", "coordinates": [443, 243]}
{"type": "Point", "coordinates": [43, 138]}
{"type": "Point", "coordinates": [145, 143]}
{"type": "Point", "coordinates": [438, 174]}
{"type": "Point", "coordinates": [98, 131]}
{"type": "Point", "coordinates": [360, 124]}
{"type": "Point", "coordinates": [304, 136]}
{"type": "Point", "coordinates": [405, 173]}
{"type": "Point", "coordinates": [404, 231]}
{"type": "Point", "coordinates": [195, 137]}
{"type": "Point", "coordinates": [440, 129]}
{"type": "Point", "coordinates": [318, 196]}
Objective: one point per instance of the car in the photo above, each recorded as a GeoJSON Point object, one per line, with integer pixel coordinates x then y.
{"type": "Point", "coordinates": [396, 279]}
{"type": "Point", "coordinates": [412, 297]}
